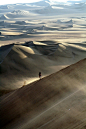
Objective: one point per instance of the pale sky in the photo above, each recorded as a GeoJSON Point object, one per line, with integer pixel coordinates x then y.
{"type": "Point", "coordinates": [3, 2]}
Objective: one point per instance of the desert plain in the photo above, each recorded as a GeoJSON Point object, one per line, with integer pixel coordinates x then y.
{"type": "Point", "coordinates": [46, 38]}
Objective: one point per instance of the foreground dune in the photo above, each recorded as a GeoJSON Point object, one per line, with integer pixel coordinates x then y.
{"type": "Point", "coordinates": [56, 101]}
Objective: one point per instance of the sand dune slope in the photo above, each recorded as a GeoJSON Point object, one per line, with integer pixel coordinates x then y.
{"type": "Point", "coordinates": [57, 101]}
{"type": "Point", "coordinates": [22, 62]}
{"type": "Point", "coordinates": [4, 50]}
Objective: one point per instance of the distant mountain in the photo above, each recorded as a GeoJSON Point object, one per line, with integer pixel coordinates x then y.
{"type": "Point", "coordinates": [41, 3]}
{"type": "Point", "coordinates": [16, 14]}
{"type": "Point", "coordinates": [69, 2]}
{"type": "Point", "coordinates": [4, 7]}
{"type": "Point", "coordinates": [79, 5]}
{"type": "Point", "coordinates": [54, 10]}
{"type": "Point", "coordinates": [46, 10]}
{"type": "Point", "coordinates": [76, 1]}
{"type": "Point", "coordinates": [41, 7]}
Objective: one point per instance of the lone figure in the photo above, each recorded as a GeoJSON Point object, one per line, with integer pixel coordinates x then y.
{"type": "Point", "coordinates": [40, 75]}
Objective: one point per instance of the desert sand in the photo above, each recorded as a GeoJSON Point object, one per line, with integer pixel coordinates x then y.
{"type": "Point", "coordinates": [56, 101]}
{"type": "Point", "coordinates": [46, 38]}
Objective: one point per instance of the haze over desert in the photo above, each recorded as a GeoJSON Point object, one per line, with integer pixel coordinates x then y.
{"type": "Point", "coordinates": [47, 37]}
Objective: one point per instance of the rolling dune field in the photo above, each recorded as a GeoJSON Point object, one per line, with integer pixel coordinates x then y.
{"type": "Point", "coordinates": [49, 38]}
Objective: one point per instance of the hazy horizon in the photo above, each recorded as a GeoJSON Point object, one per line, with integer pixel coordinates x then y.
{"type": "Point", "coordinates": [51, 1]}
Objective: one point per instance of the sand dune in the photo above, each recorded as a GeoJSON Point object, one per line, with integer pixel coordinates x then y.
{"type": "Point", "coordinates": [60, 29]}
{"type": "Point", "coordinates": [57, 103]}
{"type": "Point", "coordinates": [20, 22]}
{"type": "Point", "coordinates": [16, 14]}
{"type": "Point", "coordinates": [42, 28]}
{"type": "Point", "coordinates": [24, 61]}
{"type": "Point", "coordinates": [4, 50]}
{"type": "Point", "coordinates": [4, 17]}
{"type": "Point", "coordinates": [65, 22]}
{"type": "Point", "coordinates": [2, 23]}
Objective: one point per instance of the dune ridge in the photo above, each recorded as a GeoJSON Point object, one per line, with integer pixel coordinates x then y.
{"type": "Point", "coordinates": [38, 97]}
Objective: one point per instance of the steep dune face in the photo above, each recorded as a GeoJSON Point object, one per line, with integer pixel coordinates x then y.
{"type": "Point", "coordinates": [56, 101]}
{"type": "Point", "coordinates": [4, 50]}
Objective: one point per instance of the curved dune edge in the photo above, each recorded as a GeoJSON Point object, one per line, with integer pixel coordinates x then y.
{"type": "Point", "coordinates": [53, 99]}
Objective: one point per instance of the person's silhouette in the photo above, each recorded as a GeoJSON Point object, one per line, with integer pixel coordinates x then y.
{"type": "Point", "coordinates": [40, 75]}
